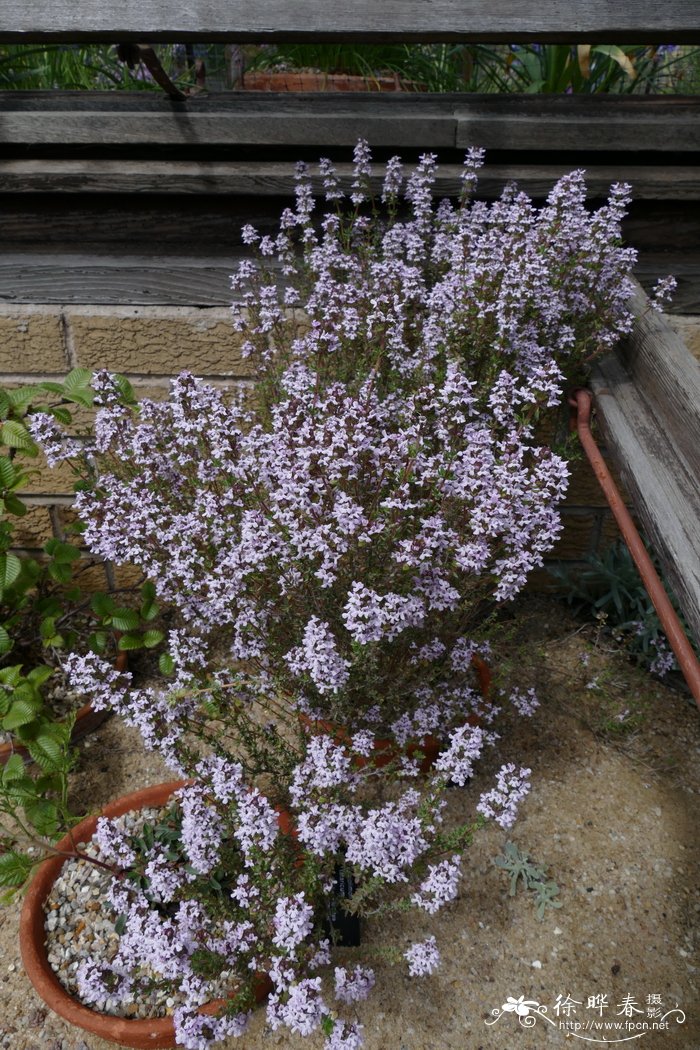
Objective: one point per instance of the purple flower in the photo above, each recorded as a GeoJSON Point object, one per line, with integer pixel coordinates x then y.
{"type": "Point", "coordinates": [501, 803]}
{"type": "Point", "coordinates": [301, 1009]}
{"type": "Point", "coordinates": [441, 886]}
{"type": "Point", "coordinates": [353, 987]}
{"type": "Point", "coordinates": [293, 922]}
{"type": "Point", "coordinates": [423, 957]}
{"type": "Point", "coordinates": [345, 1037]}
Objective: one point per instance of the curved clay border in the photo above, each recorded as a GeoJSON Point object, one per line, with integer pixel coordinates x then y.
{"type": "Point", "coordinates": [139, 1034]}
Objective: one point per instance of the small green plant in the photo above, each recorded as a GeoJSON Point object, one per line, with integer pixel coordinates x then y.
{"type": "Point", "coordinates": [610, 588]}
{"type": "Point", "coordinates": [46, 611]}
{"type": "Point", "coordinates": [533, 877]}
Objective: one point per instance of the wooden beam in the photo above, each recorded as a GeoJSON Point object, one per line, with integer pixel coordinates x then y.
{"type": "Point", "coordinates": [111, 275]}
{"type": "Point", "coordinates": [648, 402]}
{"type": "Point", "coordinates": [673, 21]}
{"type": "Point", "coordinates": [276, 178]}
{"type": "Point", "coordinates": [595, 123]}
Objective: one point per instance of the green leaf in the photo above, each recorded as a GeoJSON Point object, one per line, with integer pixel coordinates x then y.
{"type": "Point", "coordinates": [21, 396]}
{"type": "Point", "coordinates": [38, 675]}
{"type": "Point", "coordinates": [77, 379]}
{"type": "Point", "coordinates": [130, 641]}
{"type": "Point", "coordinates": [21, 713]}
{"type": "Point", "coordinates": [14, 769]}
{"type": "Point", "coordinates": [149, 611]}
{"type": "Point", "coordinates": [10, 568]}
{"type": "Point", "coordinates": [14, 868]}
{"type": "Point", "coordinates": [61, 572]}
{"type": "Point", "coordinates": [8, 472]}
{"type": "Point", "coordinates": [63, 415]}
{"type": "Point", "coordinates": [44, 816]}
{"type": "Point", "coordinates": [81, 396]}
{"type": "Point", "coordinates": [120, 925]}
{"type": "Point", "coordinates": [15, 435]}
{"type": "Point", "coordinates": [166, 663]}
{"type": "Point", "coordinates": [102, 604]}
{"type": "Point", "coordinates": [46, 746]}
{"type": "Point", "coordinates": [5, 642]}
{"type": "Point", "coordinates": [148, 592]}
{"type": "Point", "coordinates": [125, 619]}
{"type": "Point", "coordinates": [65, 553]}
{"type": "Point", "coordinates": [125, 389]}
{"type": "Point", "coordinates": [98, 641]}
{"type": "Point", "coordinates": [5, 405]}
{"type": "Point", "coordinates": [54, 388]}
{"type": "Point", "coordinates": [10, 676]}
{"type": "Point", "coordinates": [15, 506]}
{"type": "Point", "coordinates": [47, 629]}
{"type": "Point", "coordinates": [152, 638]}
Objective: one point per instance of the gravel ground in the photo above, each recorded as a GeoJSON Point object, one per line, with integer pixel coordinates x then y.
{"type": "Point", "coordinates": [612, 815]}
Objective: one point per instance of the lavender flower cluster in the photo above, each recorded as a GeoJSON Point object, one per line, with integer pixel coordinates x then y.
{"type": "Point", "coordinates": [264, 914]}
{"type": "Point", "coordinates": [340, 531]}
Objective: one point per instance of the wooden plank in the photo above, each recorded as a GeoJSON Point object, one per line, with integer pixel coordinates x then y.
{"type": "Point", "coordinates": [686, 270]}
{"type": "Point", "coordinates": [663, 487]}
{"type": "Point", "coordinates": [582, 124]}
{"type": "Point", "coordinates": [276, 178]}
{"type": "Point", "coordinates": [667, 377]}
{"type": "Point", "coordinates": [267, 20]}
{"type": "Point", "coordinates": [101, 280]}
{"type": "Point", "coordinates": [593, 123]}
{"type": "Point", "coordinates": [118, 273]}
{"type": "Point", "coordinates": [281, 128]}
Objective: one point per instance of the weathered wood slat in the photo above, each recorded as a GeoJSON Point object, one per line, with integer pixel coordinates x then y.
{"type": "Point", "coordinates": [550, 129]}
{"type": "Point", "coordinates": [583, 124]}
{"type": "Point", "coordinates": [663, 486]}
{"type": "Point", "coordinates": [274, 178]}
{"type": "Point", "coordinates": [214, 20]}
{"type": "Point", "coordinates": [175, 280]}
{"type": "Point", "coordinates": [248, 127]}
{"type": "Point", "coordinates": [667, 377]}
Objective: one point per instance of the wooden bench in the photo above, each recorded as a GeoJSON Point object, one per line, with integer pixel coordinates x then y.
{"type": "Point", "coordinates": [173, 169]}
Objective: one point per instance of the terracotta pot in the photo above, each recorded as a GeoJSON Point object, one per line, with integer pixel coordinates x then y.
{"type": "Point", "coordinates": [384, 749]}
{"type": "Point", "coordinates": [305, 82]}
{"type": "Point", "coordinates": [157, 1032]}
{"type": "Point", "coordinates": [87, 721]}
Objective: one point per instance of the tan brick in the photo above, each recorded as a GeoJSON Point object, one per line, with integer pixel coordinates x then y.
{"type": "Point", "coordinates": [34, 529]}
{"type": "Point", "coordinates": [48, 481]}
{"type": "Point", "coordinates": [31, 340]}
{"type": "Point", "coordinates": [156, 340]}
{"type": "Point", "coordinates": [127, 576]}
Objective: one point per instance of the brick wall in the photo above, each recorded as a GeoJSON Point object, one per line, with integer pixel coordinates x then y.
{"type": "Point", "coordinates": [151, 343]}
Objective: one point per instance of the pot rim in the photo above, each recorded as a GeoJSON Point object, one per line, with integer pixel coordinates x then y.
{"type": "Point", "coordinates": [138, 1033]}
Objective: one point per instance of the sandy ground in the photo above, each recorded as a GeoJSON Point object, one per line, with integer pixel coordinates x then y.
{"type": "Point", "coordinates": [613, 817]}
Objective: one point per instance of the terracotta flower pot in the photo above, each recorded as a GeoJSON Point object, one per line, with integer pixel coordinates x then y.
{"type": "Point", "coordinates": [305, 82]}
{"type": "Point", "coordinates": [157, 1032]}
{"type": "Point", "coordinates": [87, 720]}
{"type": "Point", "coordinates": [385, 749]}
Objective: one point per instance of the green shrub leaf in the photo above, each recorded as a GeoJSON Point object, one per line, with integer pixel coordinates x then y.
{"type": "Point", "coordinates": [15, 435]}
{"type": "Point", "coordinates": [14, 868]}
{"type": "Point", "coordinates": [125, 619]}
{"type": "Point", "coordinates": [130, 641]}
{"type": "Point", "coordinates": [10, 568]}
{"type": "Point", "coordinates": [152, 638]}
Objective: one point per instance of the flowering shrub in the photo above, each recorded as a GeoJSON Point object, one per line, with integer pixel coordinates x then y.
{"type": "Point", "coordinates": [343, 532]}
{"type": "Point", "coordinates": [222, 890]}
